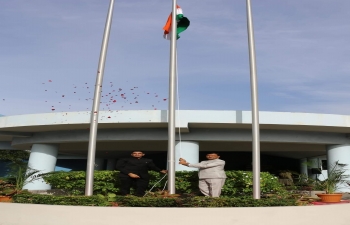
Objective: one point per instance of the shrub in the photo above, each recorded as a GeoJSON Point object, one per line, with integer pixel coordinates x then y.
{"type": "Point", "coordinates": [131, 201]}
{"type": "Point", "coordinates": [60, 200]}
{"type": "Point", "coordinates": [238, 183]}
{"type": "Point", "coordinates": [237, 202]}
{"type": "Point", "coordinates": [14, 155]}
{"type": "Point", "coordinates": [74, 182]}
{"type": "Point", "coordinates": [241, 183]}
{"type": "Point", "coordinates": [185, 182]}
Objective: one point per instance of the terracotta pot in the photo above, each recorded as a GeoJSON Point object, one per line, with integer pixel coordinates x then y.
{"type": "Point", "coordinates": [330, 197]}
{"type": "Point", "coordinates": [5, 199]}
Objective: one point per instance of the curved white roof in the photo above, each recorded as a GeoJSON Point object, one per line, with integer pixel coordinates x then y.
{"type": "Point", "coordinates": [185, 119]}
{"type": "Point", "coordinates": [281, 132]}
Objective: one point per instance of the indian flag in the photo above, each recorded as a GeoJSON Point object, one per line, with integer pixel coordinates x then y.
{"type": "Point", "coordinates": [182, 24]}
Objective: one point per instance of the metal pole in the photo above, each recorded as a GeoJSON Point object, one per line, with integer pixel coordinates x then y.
{"type": "Point", "coordinates": [171, 110]}
{"type": "Point", "coordinates": [255, 108]}
{"type": "Point", "coordinates": [96, 105]}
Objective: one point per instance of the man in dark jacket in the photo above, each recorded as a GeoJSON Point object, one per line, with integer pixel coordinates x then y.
{"type": "Point", "coordinates": [134, 172]}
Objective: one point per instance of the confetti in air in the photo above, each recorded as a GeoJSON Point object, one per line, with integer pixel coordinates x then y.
{"type": "Point", "coordinates": [78, 96]}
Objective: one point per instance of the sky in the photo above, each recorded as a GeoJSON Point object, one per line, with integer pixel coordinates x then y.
{"type": "Point", "coordinates": [49, 53]}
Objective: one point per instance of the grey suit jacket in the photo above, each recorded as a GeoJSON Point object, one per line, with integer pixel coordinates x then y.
{"type": "Point", "coordinates": [210, 169]}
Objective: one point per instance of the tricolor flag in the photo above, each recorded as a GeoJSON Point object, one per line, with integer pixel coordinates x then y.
{"type": "Point", "coordinates": [182, 24]}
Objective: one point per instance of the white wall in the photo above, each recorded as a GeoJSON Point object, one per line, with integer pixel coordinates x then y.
{"type": "Point", "coordinates": [28, 214]}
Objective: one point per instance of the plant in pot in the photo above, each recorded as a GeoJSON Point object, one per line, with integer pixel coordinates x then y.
{"type": "Point", "coordinates": [19, 175]}
{"type": "Point", "coordinates": [336, 178]}
{"type": "Point", "coordinates": [6, 188]}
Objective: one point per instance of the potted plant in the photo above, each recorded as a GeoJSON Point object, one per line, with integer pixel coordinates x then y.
{"type": "Point", "coordinates": [6, 188]}
{"type": "Point", "coordinates": [19, 176]}
{"type": "Point", "coordinates": [336, 177]}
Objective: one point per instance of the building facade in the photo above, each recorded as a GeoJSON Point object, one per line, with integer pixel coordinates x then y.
{"type": "Point", "coordinates": [319, 139]}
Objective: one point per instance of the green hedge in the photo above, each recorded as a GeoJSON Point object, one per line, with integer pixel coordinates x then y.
{"type": "Point", "coordinates": [237, 183]}
{"type": "Point", "coordinates": [203, 202]}
{"type": "Point", "coordinates": [238, 202]}
{"type": "Point", "coordinates": [74, 182]}
{"type": "Point", "coordinates": [14, 155]}
{"type": "Point", "coordinates": [131, 201]}
{"type": "Point", "coordinates": [61, 200]}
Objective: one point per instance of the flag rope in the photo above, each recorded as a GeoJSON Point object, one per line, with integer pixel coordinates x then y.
{"type": "Point", "coordinates": [178, 103]}
{"type": "Point", "coordinates": [156, 184]}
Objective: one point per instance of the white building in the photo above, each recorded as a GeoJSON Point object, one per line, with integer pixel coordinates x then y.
{"type": "Point", "coordinates": [321, 139]}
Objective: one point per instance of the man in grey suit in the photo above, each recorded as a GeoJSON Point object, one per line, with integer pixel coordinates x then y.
{"type": "Point", "coordinates": [211, 174]}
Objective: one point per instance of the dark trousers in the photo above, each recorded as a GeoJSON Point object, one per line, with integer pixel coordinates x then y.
{"type": "Point", "coordinates": [140, 185]}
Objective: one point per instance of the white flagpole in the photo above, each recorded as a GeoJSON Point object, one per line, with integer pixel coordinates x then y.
{"type": "Point", "coordinates": [172, 100]}
{"type": "Point", "coordinates": [96, 105]}
{"type": "Point", "coordinates": [255, 109]}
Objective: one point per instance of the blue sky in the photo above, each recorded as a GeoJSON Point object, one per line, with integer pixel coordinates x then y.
{"type": "Point", "coordinates": [49, 52]}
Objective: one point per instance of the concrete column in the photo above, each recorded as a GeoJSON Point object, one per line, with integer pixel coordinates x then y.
{"type": "Point", "coordinates": [99, 164]}
{"type": "Point", "coordinates": [111, 164]}
{"type": "Point", "coordinates": [188, 150]}
{"type": "Point", "coordinates": [43, 157]}
{"type": "Point", "coordinates": [339, 153]}
{"type": "Point", "coordinates": [303, 166]}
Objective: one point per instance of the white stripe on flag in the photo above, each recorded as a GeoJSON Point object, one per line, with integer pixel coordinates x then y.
{"type": "Point", "coordinates": [167, 36]}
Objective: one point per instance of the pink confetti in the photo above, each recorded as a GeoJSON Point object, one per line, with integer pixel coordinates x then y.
{"type": "Point", "coordinates": [50, 80]}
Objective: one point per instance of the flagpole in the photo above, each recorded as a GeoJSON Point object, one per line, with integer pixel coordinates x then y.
{"type": "Point", "coordinates": [171, 109]}
{"type": "Point", "coordinates": [255, 109]}
{"type": "Point", "coordinates": [96, 105]}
